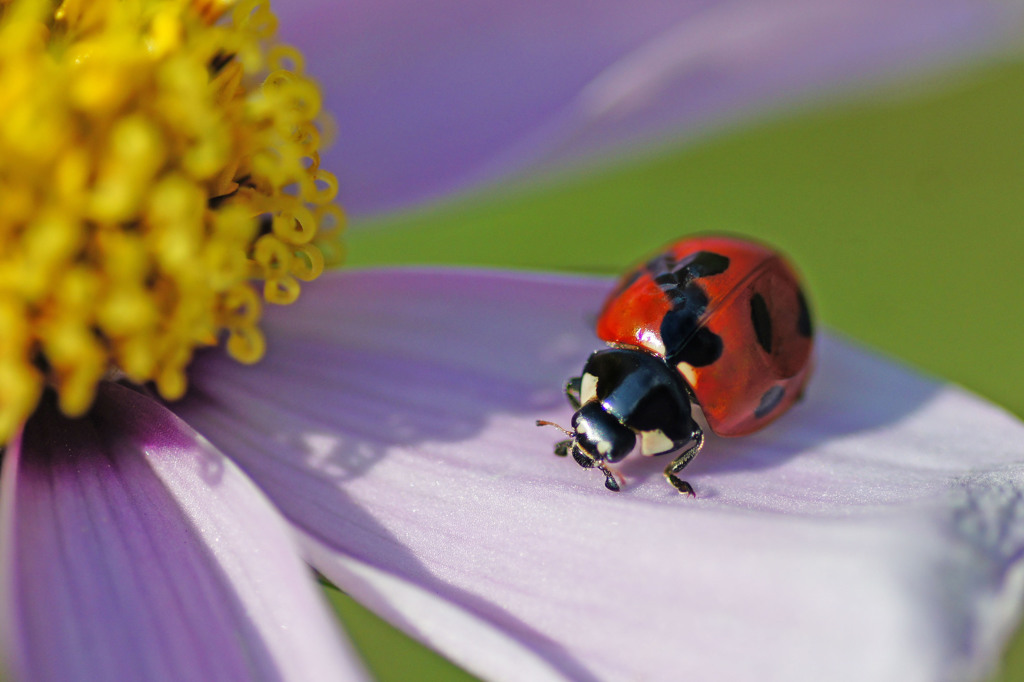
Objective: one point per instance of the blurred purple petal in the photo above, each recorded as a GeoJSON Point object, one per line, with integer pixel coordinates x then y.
{"type": "Point", "coordinates": [874, 533]}
{"type": "Point", "coordinates": [132, 550]}
{"type": "Point", "coordinates": [438, 96]}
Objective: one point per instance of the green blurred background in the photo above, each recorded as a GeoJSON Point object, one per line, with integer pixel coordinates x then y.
{"type": "Point", "coordinates": [902, 208]}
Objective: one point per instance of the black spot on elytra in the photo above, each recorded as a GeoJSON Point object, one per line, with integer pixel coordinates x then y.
{"type": "Point", "coordinates": [668, 273]}
{"type": "Point", "coordinates": [700, 349]}
{"type": "Point", "coordinates": [666, 279]}
{"type": "Point", "coordinates": [704, 264]}
{"type": "Point", "coordinates": [769, 400]}
{"type": "Point", "coordinates": [691, 298]}
{"type": "Point", "coordinates": [803, 323]}
{"type": "Point", "coordinates": [762, 321]}
{"type": "Point", "coordinates": [685, 340]}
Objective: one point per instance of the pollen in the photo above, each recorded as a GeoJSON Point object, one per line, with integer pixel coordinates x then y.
{"type": "Point", "coordinates": [160, 181]}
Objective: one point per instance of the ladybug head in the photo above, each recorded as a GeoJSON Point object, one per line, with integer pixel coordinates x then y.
{"type": "Point", "coordinates": [596, 439]}
{"type": "Point", "coordinates": [600, 436]}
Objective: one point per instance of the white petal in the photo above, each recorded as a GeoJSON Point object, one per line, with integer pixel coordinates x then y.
{"type": "Point", "coordinates": [873, 533]}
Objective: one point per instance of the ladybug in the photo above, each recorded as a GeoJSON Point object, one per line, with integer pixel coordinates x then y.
{"type": "Point", "coordinates": [720, 321]}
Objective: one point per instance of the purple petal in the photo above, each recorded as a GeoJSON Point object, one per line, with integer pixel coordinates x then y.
{"type": "Point", "coordinates": [132, 550]}
{"type": "Point", "coordinates": [435, 97]}
{"type": "Point", "coordinates": [873, 533]}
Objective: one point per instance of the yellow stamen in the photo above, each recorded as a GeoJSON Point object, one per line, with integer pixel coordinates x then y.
{"type": "Point", "coordinates": [159, 166]}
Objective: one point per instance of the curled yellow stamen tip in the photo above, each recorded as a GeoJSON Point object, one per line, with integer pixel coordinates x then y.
{"type": "Point", "coordinates": [161, 174]}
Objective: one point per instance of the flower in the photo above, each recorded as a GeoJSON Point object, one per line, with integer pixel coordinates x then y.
{"type": "Point", "coordinates": [157, 157]}
{"type": "Point", "coordinates": [147, 179]}
{"type": "Point", "coordinates": [387, 436]}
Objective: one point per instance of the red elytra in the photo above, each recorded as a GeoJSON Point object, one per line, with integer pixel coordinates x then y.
{"type": "Point", "coordinates": [752, 302]}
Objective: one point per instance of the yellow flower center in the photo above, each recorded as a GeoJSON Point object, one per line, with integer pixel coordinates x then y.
{"type": "Point", "coordinates": [158, 165]}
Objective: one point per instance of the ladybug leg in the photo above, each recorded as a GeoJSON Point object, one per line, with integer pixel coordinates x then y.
{"type": "Point", "coordinates": [611, 481]}
{"type": "Point", "coordinates": [680, 462]}
{"type": "Point", "coordinates": [562, 447]}
{"type": "Point", "coordinates": [572, 391]}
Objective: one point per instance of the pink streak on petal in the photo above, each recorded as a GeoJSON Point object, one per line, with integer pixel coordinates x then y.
{"type": "Point", "coordinates": [436, 97]}
{"type": "Point", "coordinates": [132, 550]}
{"type": "Point", "coordinates": [871, 534]}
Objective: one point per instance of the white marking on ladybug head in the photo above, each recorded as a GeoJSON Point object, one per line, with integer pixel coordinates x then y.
{"type": "Point", "coordinates": [689, 373]}
{"type": "Point", "coordinates": [588, 388]}
{"type": "Point", "coordinates": [604, 447]}
{"type": "Point", "coordinates": [655, 442]}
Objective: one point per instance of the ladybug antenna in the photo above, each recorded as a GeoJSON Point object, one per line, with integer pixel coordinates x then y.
{"type": "Point", "coordinates": [544, 422]}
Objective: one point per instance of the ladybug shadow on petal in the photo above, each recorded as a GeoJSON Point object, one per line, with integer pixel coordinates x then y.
{"type": "Point", "coordinates": [341, 424]}
{"type": "Point", "coordinates": [849, 393]}
{"type": "Point", "coordinates": [432, 373]}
